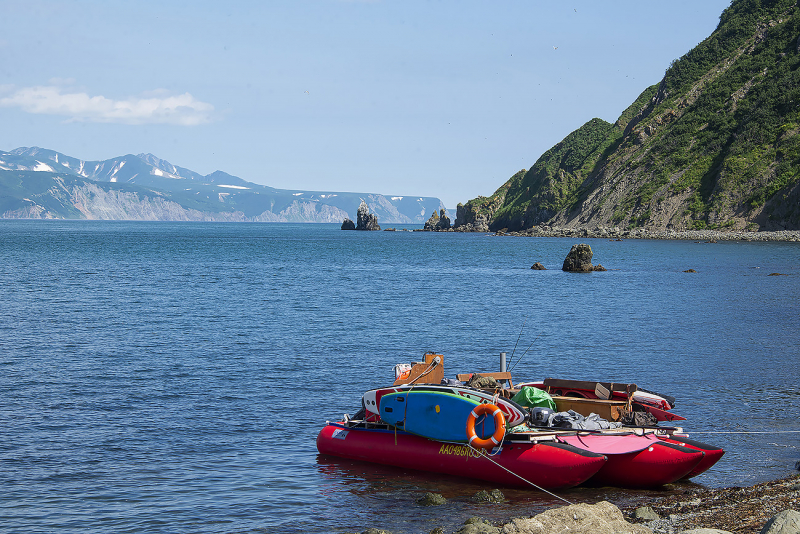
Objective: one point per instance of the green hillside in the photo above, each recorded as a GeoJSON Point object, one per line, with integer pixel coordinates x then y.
{"type": "Point", "coordinates": [714, 145]}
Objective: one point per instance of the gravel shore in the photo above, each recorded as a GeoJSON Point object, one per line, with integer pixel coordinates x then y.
{"type": "Point", "coordinates": [638, 233]}
{"type": "Point", "coordinates": [737, 510]}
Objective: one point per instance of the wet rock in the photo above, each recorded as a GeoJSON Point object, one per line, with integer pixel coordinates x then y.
{"type": "Point", "coordinates": [600, 518]}
{"type": "Point", "coordinates": [348, 224]}
{"type": "Point", "coordinates": [366, 220]}
{"type": "Point", "coordinates": [493, 497]}
{"type": "Point", "coordinates": [375, 531]}
{"type": "Point", "coordinates": [538, 267]}
{"type": "Point", "coordinates": [690, 271]}
{"type": "Point", "coordinates": [786, 522]}
{"type": "Point", "coordinates": [579, 260]}
{"type": "Point", "coordinates": [437, 530]}
{"type": "Point", "coordinates": [645, 513]}
{"type": "Point", "coordinates": [431, 499]}
{"type": "Point", "coordinates": [478, 525]}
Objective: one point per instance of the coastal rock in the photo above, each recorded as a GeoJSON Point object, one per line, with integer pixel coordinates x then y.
{"type": "Point", "coordinates": [493, 497]}
{"type": "Point", "coordinates": [477, 525]}
{"type": "Point", "coordinates": [600, 518]}
{"type": "Point", "coordinates": [786, 522]}
{"type": "Point", "coordinates": [538, 267]}
{"type": "Point", "coordinates": [645, 513]}
{"type": "Point", "coordinates": [365, 219]}
{"type": "Point", "coordinates": [348, 224]}
{"type": "Point", "coordinates": [579, 260]}
{"type": "Point", "coordinates": [468, 220]}
{"type": "Point", "coordinates": [438, 222]}
{"type": "Point", "coordinates": [431, 499]}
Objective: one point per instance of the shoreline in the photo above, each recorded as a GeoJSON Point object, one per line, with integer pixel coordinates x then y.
{"type": "Point", "coordinates": [710, 236]}
{"type": "Point", "coordinates": [740, 510]}
{"type": "Point", "coordinates": [734, 510]}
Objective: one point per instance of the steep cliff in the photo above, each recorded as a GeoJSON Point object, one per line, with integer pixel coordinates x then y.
{"type": "Point", "coordinates": [715, 144]}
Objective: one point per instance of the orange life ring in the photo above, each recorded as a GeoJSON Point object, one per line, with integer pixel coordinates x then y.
{"type": "Point", "coordinates": [499, 426]}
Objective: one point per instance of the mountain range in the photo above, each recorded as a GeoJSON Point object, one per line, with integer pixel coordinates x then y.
{"type": "Point", "coordinates": [715, 144]}
{"type": "Point", "coordinates": [45, 184]}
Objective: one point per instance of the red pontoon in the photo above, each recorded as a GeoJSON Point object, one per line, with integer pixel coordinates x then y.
{"type": "Point", "coordinates": [547, 463]}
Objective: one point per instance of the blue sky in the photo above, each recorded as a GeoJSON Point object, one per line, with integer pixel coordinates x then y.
{"type": "Point", "coordinates": [445, 99]}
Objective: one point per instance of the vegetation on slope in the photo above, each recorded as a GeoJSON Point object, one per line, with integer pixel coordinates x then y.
{"type": "Point", "coordinates": [715, 144]}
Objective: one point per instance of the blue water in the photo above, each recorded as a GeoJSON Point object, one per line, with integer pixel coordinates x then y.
{"type": "Point", "coordinates": [172, 377]}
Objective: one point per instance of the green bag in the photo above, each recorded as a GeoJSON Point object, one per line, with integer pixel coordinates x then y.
{"type": "Point", "coordinates": [531, 397]}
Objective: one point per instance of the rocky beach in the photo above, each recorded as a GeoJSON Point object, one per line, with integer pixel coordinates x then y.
{"type": "Point", "coordinates": [765, 508]}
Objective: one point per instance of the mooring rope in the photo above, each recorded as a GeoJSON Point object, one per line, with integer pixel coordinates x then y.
{"type": "Point", "coordinates": [483, 454]}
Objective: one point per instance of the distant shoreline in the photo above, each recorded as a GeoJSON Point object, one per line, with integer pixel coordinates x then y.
{"type": "Point", "coordinates": [710, 236]}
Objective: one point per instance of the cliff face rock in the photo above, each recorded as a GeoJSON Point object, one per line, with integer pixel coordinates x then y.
{"type": "Point", "coordinates": [365, 219]}
{"type": "Point", "coordinates": [714, 145]}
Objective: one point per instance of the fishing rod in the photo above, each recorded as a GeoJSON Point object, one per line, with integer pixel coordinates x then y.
{"type": "Point", "coordinates": [526, 352]}
{"type": "Point", "coordinates": [519, 336]}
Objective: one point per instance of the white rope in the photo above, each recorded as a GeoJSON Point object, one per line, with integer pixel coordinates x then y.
{"type": "Point", "coordinates": [484, 455]}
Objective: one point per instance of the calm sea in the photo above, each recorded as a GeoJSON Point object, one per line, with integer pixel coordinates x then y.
{"type": "Point", "coordinates": [172, 377]}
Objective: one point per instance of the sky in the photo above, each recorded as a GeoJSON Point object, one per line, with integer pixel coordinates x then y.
{"type": "Point", "coordinates": [443, 99]}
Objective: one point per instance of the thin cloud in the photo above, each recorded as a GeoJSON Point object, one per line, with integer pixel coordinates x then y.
{"type": "Point", "coordinates": [156, 108]}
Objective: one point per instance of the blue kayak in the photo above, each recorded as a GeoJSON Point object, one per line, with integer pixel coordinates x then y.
{"type": "Point", "coordinates": [432, 414]}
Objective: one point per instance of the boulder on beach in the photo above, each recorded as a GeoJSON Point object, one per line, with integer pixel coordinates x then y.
{"type": "Point", "coordinates": [579, 260]}
{"type": "Point", "coordinates": [786, 522]}
{"type": "Point", "coordinates": [600, 518]}
{"type": "Point", "coordinates": [365, 219]}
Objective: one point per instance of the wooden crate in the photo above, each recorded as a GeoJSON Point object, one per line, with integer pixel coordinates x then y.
{"type": "Point", "coordinates": [611, 410]}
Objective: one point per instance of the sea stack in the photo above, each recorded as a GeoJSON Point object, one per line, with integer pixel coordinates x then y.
{"type": "Point", "coordinates": [366, 220]}
{"type": "Point", "coordinates": [438, 222]}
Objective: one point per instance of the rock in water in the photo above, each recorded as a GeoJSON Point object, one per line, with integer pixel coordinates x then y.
{"type": "Point", "coordinates": [431, 499]}
{"type": "Point", "coordinates": [493, 497]}
{"type": "Point", "coordinates": [365, 219]}
{"type": "Point", "coordinates": [538, 267]}
{"type": "Point", "coordinates": [347, 224]}
{"type": "Point", "coordinates": [579, 260]}
{"type": "Point", "coordinates": [438, 222]}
